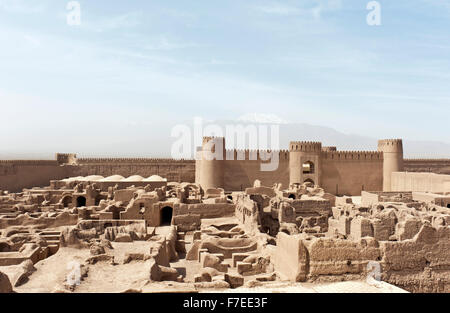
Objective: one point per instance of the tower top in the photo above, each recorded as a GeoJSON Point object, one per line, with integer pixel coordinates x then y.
{"type": "Point", "coordinates": [390, 145]}
{"type": "Point", "coordinates": [305, 146]}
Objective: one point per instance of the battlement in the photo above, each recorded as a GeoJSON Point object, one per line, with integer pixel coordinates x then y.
{"type": "Point", "coordinates": [256, 155]}
{"type": "Point", "coordinates": [390, 145]}
{"type": "Point", "coordinates": [130, 160]}
{"type": "Point", "coordinates": [305, 146]}
{"type": "Point", "coordinates": [29, 162]}
{"type": "Point", "coordinates": [352, 155]}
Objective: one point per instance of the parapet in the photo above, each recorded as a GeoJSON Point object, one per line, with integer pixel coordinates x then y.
{"type": "Point", "coordinates": [129, 160]}
{"type": "Point", "coordinates": [255, 155]}
{"type": "Point", "coordinates": [29, 162]}
{"type": "Point", "coordinates": [352, 155]}
{"type": "Point", "coordinates": [390, 145]}
{"type": "Point", "coordinates": [305, 146]}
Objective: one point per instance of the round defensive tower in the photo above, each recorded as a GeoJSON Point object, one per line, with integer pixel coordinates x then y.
{"type": "Point", "coordinates": [392, 159]}
{"type": "Point", "coordinates": [304, 162]}
{"type": "Point", "coordinates": [211, 163]}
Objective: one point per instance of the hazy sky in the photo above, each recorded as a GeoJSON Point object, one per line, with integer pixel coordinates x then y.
{"type": "Point", "coordinates": [132, 66]}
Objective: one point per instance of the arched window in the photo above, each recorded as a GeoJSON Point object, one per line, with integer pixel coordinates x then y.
{"type": "Point", "coordinates": [308, 167]}
{"type": "Point", "coordinates": [67, 200]}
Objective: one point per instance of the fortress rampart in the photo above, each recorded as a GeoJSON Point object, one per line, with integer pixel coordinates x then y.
{"type": "Point", "coordinates": [352, 155]}
{"type": "Point", "coordinates": [438, 166]}
{"type": "Point", "coordinates": [338, 172]}
{"type": "Point", "coordinates": [173, 170]}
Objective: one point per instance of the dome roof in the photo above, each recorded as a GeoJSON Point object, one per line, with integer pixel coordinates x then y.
{"type": "Point", "coordinates": [134, 178]}
{"type": "Point", "coordinates": [113, 178]}
{"type": "Point", "coordinates": [92, 178]}
{"type": "Point", "coordinates": [155, 178]}
{"type": "Point", "coordinates": [78, 178]}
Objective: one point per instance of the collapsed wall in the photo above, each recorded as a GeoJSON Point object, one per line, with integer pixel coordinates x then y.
{"type": "Point", "coordinates": [420, 264]}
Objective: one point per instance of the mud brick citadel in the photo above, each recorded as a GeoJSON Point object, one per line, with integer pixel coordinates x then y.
{"type": "Point", "coordinates": [339, 220]}
{"type": "Point", "coordinates": [337, 172]}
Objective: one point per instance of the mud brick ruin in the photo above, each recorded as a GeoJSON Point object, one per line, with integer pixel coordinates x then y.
{"type": "Point", "coordinates": [143, 225]}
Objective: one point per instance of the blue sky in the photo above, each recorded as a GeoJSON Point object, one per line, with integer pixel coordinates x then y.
{"type": "Point", "coordinates": [134, 66]}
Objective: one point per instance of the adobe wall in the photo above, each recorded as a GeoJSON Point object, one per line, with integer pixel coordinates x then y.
{"type": "Point", "coordinates": [241, 174]}
{"type": "Point", "coordinates": [173, 170]}
{"type": "Point", "coordinates": [291, 258]}
{"type": "Point", "coordinates": [247, 214]}
{"type": "Point", "coordinates": [211, 210]}
{"type": "Point", "coordinates": [438, 166]}
{"type": "Point", "coordinates": [424, 182]}
{"type": "Point", "coordinates": [348, 173]}
{"type": "Point", "coordinates": [438, 199]}
{"type": "Point", "coordinates": [62, 219]}
{"type": "Point", "coordinates": [419, 264]}
{"type": "Point", "coordinates": [369, 198]}
{"type": "Point", "coordinates": [18, 174]}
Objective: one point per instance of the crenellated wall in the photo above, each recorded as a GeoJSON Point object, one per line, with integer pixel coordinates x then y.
{"type": "Point", "coordinates": [437, 166]}
{"type": "Point", "coordinates": [350, 172]}
{"type": "Point", "coordinates": [18, 174]}
{"type": "Point", "coordinates": [338, 172]}
{"type": "Point", "coordinates": [173, 170]}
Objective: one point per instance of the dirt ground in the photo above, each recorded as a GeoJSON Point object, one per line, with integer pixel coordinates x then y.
{"type": "Point", "coordinates": [52, 272]}
{"type": "Point", "coordinates": [101, 277]}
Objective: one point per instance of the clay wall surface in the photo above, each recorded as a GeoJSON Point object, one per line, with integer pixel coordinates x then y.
{"type": "Point", "coordinates": [18, 174]}
{"type": "Point", "coordinates": [345, 171]}
{"type": "Point", "coordinates": [369, 198]}
{"type": "Point", "coordinates": [291, 258]}
{"type": "Point", "coordinates": [173, 170]}
{"type": "Point", "coordinates": [349, 173]}
{"type": "Point", "coordinates": [63, 219]}
{"type": "Point", "coordinates": [305, 207]}
{"type": "Point", "coordinates": [204, 210]}
{"type": "Point", "coordinates": [241, 174]}
{"type": "Point", "coordinates": [420, 264]}
{"type": "Point", "coordinates": [422, 182]}
{"type": "Point", "coordinates": [247, 214]}
{"type": "Point", "coordinates": [438, 166]}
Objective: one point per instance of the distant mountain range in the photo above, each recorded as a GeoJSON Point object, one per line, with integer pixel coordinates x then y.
{"type": "Point", "coordinates": [158, 144]}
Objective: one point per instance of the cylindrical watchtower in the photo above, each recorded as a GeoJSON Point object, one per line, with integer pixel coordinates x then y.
{"type": "Point", "coordinates": [304, 162]}
{"type": "Point", "coordinates": [392, 159]}
{"type": "Point", "coordinates": [211, 163]}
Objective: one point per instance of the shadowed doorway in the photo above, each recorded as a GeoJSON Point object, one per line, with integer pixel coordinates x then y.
{"type": "Point", "coordinates": [166, 216]}
{"type": "Point", "coordinates": [81, 201]}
